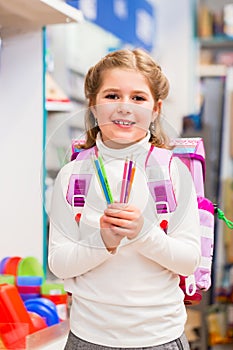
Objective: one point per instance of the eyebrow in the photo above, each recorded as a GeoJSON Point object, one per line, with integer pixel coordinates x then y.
{"type": "Point", "coordinates": [117, 90]}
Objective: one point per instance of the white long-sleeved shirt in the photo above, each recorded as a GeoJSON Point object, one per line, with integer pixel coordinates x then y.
{"type": "Point", "coordinates": [131, 298]}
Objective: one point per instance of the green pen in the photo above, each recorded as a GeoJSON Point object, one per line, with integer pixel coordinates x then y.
{"type": "Point", "coordinates": [105, 179]}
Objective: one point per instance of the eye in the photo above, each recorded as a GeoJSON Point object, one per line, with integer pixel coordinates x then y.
{"type": "Point", "coordinates": [138, 98]}
{"type": "Point", "coordinates": [112, 96]}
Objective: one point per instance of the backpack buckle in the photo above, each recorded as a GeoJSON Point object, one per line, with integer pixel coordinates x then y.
{"type": "Point", "coordinates": [162, 207]}
{"type": "Point", "coordinates": [190, 285]}
{"type": "Point", "coordinates": [78, 200]}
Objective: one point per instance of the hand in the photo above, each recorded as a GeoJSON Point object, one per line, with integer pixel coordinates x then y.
{"type": "Point", "coordinates": [119, 221]}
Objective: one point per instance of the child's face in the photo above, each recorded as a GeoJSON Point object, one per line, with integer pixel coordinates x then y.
{"type": "Point", "coordinates": [124, 107]}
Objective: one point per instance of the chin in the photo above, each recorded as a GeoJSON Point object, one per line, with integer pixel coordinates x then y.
{"type": "Point", "coordinates": [118, 143]}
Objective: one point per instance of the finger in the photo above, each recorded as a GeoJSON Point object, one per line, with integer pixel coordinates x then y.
{"type": "Point", "coordinates": [118, 222]}
{"type": "Point", "coordinates": [121, 206]}
{"type": "Point", "coordinates": [121, 231]}
{"type": "Point", "coordinates": [122, 214]}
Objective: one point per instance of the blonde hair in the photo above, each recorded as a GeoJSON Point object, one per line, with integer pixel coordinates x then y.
{"type": "Point", "coordinates": [137, 60]}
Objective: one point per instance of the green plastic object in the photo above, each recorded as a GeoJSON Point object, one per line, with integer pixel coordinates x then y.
{"type": "Point", "coordinates": [52, 288]}
{"type": "Point", "coordinates": [30, 266]}
{"type": "Point", "coordinates": [8, 279]}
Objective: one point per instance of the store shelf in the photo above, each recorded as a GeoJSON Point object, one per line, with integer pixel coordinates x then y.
{"type": "Point", "coordinates": [211, 70]}
{"type": "Point", "coordinates": [21, 15]}
{"type": "Point", "coordinates": [216, 42]}
{"type": "Point", "coordinates": [56, 99]}
{"type": "Point", "coordinates": [59, 106]}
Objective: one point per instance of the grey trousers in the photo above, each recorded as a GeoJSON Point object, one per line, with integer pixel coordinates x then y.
{"type": "Point", "coordinates": [75, 343]}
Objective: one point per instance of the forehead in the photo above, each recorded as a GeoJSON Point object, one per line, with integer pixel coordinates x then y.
{"type": "Point", "coordinates": [127, 78]}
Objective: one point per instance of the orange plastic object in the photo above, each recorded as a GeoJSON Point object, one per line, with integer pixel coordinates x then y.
{"type": "Point", "coordinates": [37, 320]}
{"type": "Point", "coordinates": [13, 335]}
{"type": "Point", "coordinates": [11, 265]}
{"type": "Point", "coordinates": [15, 322]}
{"type": "Point", "coordinates": [2, 345]}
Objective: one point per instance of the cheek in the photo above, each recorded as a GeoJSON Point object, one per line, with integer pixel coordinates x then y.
{"type": "Point", "coordinates": [103, 112]}
{"type": "Point", "coordinates": [145, 117]}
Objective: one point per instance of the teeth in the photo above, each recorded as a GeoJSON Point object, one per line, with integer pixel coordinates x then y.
{"type": "Point", "coordinates": [121, 122]}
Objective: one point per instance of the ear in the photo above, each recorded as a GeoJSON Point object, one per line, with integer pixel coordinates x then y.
{"type": "Point", "coordinates": [158, 106]}
{"type": "Point", "coordinates": [93, 110]}
{"type": "Point", "coordinates": [157, 109]}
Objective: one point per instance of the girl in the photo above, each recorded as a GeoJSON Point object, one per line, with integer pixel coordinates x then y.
{"type": "Point", "coordinates": [120, 266]}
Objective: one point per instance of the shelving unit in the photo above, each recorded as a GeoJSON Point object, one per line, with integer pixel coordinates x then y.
{"type": "Point", "coordinates": [215, 54]}
{"type": "Point", "coordinates": [24, 15]}
{"type": "Point", "coordinates": [23, 114]}
{"type": "Point", "coordinates": [214, 43]}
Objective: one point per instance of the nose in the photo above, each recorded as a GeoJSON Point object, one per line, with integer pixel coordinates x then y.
{"type": "Point", "coordinates": [124, 108]}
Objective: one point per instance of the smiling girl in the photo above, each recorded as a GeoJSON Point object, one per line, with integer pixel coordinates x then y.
{"type": "Point", "coordinates": [120, 266]}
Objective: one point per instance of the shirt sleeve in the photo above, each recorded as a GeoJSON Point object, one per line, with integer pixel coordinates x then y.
{"type": "Point", "coordinates": [179, 249]}
{"type": "Point", "coordinates": [69, 256]}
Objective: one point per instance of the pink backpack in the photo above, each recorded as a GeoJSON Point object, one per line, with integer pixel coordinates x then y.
{"type": "Point", "coordinates": [192, 154]}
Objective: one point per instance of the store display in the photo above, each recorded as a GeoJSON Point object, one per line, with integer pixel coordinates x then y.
{"type": "Point", "coordinates": [28, 302]}
{"type": "Point", "coordinates": [15, 323]}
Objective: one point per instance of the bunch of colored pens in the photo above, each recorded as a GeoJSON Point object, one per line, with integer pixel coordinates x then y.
{"type": "Point", "coordinates": [127, 180]}
{"type": "Point", "coordinates": [102, 177]}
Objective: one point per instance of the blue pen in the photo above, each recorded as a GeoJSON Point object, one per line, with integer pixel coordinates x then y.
{"type": "Point", "coordinates": [101, 179]}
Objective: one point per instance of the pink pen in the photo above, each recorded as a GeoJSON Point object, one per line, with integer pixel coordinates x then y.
{"type": "Point", "coordinates": [128, 180]}
{"type": "Point", "coordinates": [123, 184]}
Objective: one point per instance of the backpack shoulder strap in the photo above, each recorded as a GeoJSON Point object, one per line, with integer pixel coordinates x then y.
{"type": "Point", "coordinates": [79, 183]}
{"type": "Point", "coordinates": [159, 181]}
{"type": "Point", "coordinates": [192, 153]}
{"type": "Point", "coordinates": [82, 154]}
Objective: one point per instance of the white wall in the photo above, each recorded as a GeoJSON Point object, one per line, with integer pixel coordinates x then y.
{"type": "Point", "coordinates": [175, 51]}
{"type": "Point", "coordinates": [21, 146]}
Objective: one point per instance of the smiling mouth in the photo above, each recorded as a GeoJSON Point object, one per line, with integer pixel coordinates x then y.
{"type": "Point", "coordinates": [123, 122]}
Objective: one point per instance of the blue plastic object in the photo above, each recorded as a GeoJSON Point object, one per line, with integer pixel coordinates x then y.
{"type": "Point", "coordinates": [3, 263]}
{"type": "Point", "coordinates": [29, 280]}
{"type": "Point", "coordinates": [45, 308]}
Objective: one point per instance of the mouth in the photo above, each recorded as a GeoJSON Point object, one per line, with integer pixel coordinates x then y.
{"type": "Point", "coordinates": [123, 122]}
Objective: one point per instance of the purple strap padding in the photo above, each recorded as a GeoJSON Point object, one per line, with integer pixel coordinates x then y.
{"type": "Point", "coordinates": [161, 190]}
{"type": "Point", "coordinates": [207, 246]}
{"type": "Point", "coordinates": [163, 195]}
{"type": "Point", "coordinates": [79, 183]}
{"type": "Point", "coordinates": [206, 218]}
{"type": "Point", "coordinates": [78, 189]}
